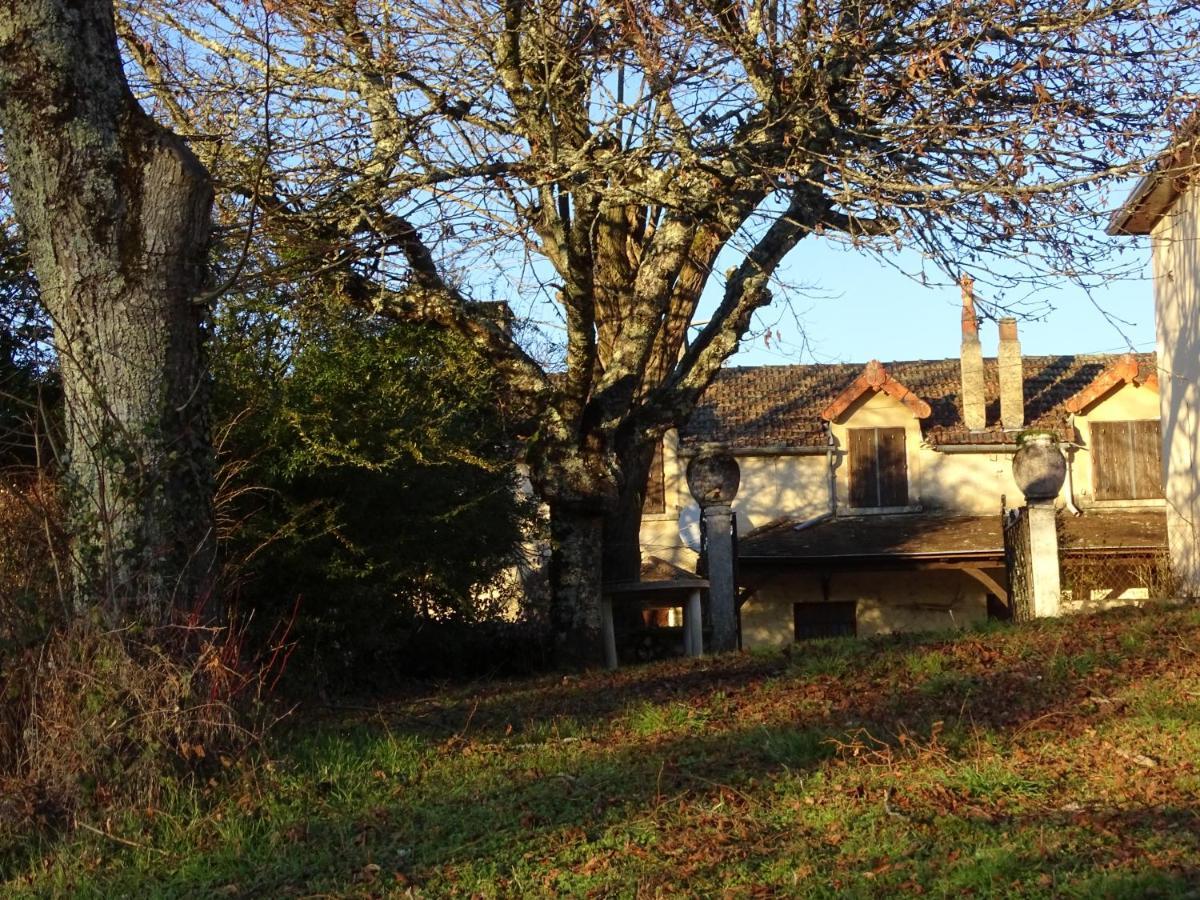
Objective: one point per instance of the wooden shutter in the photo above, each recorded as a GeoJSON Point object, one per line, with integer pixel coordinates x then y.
{"type": "Point", "coordinates": [1125, 460]}
{"type": "Point", "coordinates": [1147, 453]}
{"type": "Point", "coordinates": [656, 492]}
{"type": "Point", "coordinates": [893, 467]}
{"type": "Point", "coordinates": [1111, 454]}
{"type": "Point", "coordinates": [878, 468]}
{"type": "Point", "coordinates": [864, 470]}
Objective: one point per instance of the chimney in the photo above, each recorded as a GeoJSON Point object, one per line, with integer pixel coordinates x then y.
{"type": "Point", "coordinates": [971, 360]}
{"type": "Point", "coordinates": [1012, 377]}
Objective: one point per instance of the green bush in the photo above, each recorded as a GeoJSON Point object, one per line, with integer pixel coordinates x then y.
{"type": "Point", "coordinates": [366, 480]}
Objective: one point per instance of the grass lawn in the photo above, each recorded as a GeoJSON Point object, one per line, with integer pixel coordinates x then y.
{"type": "Point", "coordinates": [1060, 759]}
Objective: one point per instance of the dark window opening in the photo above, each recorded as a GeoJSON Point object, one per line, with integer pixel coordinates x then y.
{"type": "Point", "coordinates": [823, 620]}
{"type": "Point", "coordinates": [1125, 460]}
{"type": "Point", "coordinates": [878, 467]}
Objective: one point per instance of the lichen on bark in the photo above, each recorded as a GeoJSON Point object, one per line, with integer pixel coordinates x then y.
{"type": "Point", "coordinates": [116, 210]}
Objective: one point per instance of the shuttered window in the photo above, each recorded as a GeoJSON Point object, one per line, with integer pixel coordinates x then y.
{"type": "Point", "coordinates": [1125, 460]}
{"type": "Point", "coordinates": [656, 487]}
{"type": "Point", "coordinates": [878, 467]}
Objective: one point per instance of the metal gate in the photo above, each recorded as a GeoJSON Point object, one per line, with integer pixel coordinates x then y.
{"type": "Point", "coordinates": [1017, 559]}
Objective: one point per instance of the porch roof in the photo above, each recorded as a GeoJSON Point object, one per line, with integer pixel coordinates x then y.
{"type": "Point", "coordinates": [932, 536]}
{"type": "Point", "coordinates": [658, 576]}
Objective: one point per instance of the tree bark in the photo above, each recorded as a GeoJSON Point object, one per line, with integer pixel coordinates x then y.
{"type": "Point", "coordinates": [575, 582]}
{"type": "Point", "coordinates": [117, 213]}
{"type": "Point", "coordinates": [623, 523]}
{"type": "Point", "coordinates": [622, 551]}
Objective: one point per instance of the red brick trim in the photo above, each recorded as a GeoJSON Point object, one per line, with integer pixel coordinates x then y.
{"type": "Point", "coordinates": [1124, 371]}
{"type": "Point", "coordinates": [874, 377]}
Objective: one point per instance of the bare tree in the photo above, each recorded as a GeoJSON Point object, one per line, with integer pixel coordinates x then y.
{"type": "Point", "coordinates": [612, 156]}
{"type": "Point", "coordinates": [116, 212]}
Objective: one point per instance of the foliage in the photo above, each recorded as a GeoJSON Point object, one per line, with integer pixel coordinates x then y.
{"type": "Point", "coordinates": [367, 478]}
{"type": "Point", "coordinates": [29, 387]}
{"type": "Point", "coordinates": [1033, 434]}
{"type": "Point", "coordinates": [109, 718]}
{"type": "Point", "coordinates": [746, 776]}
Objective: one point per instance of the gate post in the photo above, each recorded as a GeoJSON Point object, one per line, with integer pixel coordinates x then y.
{"type": "Point", "coordinates": [1043, 560]}
{"type": "Point", "coordinates": [713, 477]}
{"type": "Point", "coordinates": [1040, 469]}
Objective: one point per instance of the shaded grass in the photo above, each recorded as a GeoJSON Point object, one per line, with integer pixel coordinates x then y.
{"type": "Point", "coordinates": [1060, 759]}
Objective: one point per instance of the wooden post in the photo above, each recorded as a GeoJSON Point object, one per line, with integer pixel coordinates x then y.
{"type": "Point", "coordinates": [693, 629]}
{"type": "Point", "coordinates": [608, 632]}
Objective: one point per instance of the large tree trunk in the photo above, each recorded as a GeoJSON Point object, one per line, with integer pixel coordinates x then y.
{"type": "Point", "coordinates": [623, 523]}
{"type": "Point", "coordinates": [117, 211]}
{"type": "Point", "coordinates": [576, 535]}
{"type": "Point", "coordinates": [622, 560]}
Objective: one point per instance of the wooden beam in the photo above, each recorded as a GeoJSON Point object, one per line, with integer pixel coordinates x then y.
{"type": "Point", "coordinates": [988, 582]}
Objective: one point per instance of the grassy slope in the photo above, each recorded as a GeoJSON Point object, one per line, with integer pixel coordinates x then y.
{"type": "Point", "coordinates": [1059, 759]}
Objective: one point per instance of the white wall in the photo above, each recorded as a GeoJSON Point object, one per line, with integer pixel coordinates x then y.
{"type": "Point", "coordinates": [1176, 262]}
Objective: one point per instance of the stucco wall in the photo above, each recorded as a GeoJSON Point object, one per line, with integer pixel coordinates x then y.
{"type": "Point", "coordinates": [968, 483]}
{"type": "Point", "coordinates": [1176, 263]}
{"type": "Point", "coordinates": [887, 602]}
{"type": "Point", "coordinates": [771, 487]}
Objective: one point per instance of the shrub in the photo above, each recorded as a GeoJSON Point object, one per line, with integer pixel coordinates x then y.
{"type": "Point", "coordinates": [369, 478]}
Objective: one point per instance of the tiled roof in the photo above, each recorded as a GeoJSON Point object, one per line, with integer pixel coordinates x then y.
{"type": "Point", "coordinates": [929, 535]}
{"type": "Point", "coordinates": [780, 406]}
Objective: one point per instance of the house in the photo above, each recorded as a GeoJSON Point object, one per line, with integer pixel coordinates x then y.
{"type": "Point", "coordinates": [871, 495]}
{"type": "Point", "coordinates": [1166, 206]}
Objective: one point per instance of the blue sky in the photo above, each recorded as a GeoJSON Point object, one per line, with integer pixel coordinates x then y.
{"type": "Point", "coordinates": [859, 308]}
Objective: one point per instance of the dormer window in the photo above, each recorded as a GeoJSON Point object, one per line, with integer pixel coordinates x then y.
{"type": "Point", "coordinates": [878, 468]}
{"type": "Point", "coordinates": [1125, 460]}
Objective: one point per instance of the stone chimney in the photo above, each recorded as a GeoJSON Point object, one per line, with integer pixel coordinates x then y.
{"type": "Point", "coordinates": [971, 361]}
{"type": "Point", "coordinates": [1012, 377]}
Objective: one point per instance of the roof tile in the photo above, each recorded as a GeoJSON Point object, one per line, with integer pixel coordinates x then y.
{"type": "Point", "coordinates": [780, 406]}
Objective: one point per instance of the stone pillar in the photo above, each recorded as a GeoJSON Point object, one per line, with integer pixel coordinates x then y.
{"type": "Point", "coordinates": [1039, 470]}
{"type": "Point", "coordinates": [713, 477]}
{"type": "Point", "coordinates": [722, 592]}
{"type": "Point", "coordinates": [1043, 559]}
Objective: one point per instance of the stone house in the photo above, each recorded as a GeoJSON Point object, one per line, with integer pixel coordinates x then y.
{"type": "Point", "coordinates": [1166, 206]}
{"type": "Point", "coordinates": [871, 495]}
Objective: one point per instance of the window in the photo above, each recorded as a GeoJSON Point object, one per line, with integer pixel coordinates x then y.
{"type": "Point", "coordinates": [878, 467]}
{"type": "Point", "coordinates": [821, 620]}
{"type": "Point", "coordinates": [1125, 460]}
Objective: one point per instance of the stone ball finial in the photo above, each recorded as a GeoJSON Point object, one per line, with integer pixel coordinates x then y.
{"type": "Point", "coordinates": [1039, 467]}
{"type": "Point", "coordinates": [713, 477]}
